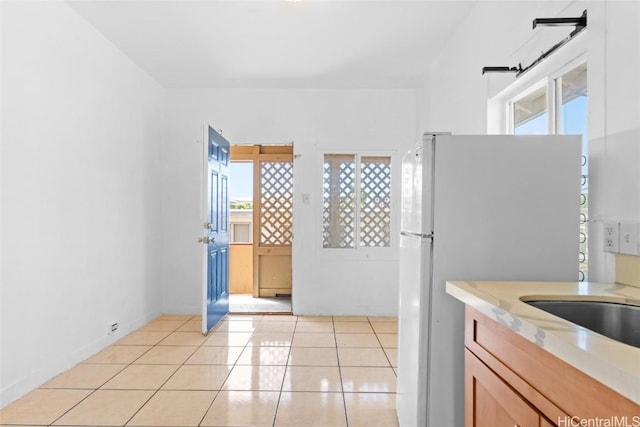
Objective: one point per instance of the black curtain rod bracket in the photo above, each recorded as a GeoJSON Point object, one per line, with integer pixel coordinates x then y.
{"type": "Point", "coordinates": [517, 69]}
{"type": "Point", "coordinates": [579, 23]}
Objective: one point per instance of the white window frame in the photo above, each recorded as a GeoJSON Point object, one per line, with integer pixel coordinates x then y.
{"type": "Point", "coordinates": [528, 91]}
{"type": "Point", "coordinates": [553, 83]}
{"type": "Point", "coordinates": [361, 252]}
{"type": "Point", "coordinates": [233, 232]}
{"type": "Point", "coordinates": [500, 106]}
{"type": "Point", "coordinates": [555, 79]}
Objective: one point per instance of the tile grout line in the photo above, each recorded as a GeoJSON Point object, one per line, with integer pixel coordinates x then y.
{"type": "Point", "coordinates": [275, 414]}
{"type": "Point", "coordinates": [235, 363]}
{"type": "Point", "coordinates": [155, 392]}
{"type": "Point", "coordinates": [167, 380]}
{"type": "Point", "coordinates": [228, 374]}
{"type": "Point", "coordinates": [216, 393]}
{"type": "Point", "coordinates": [344, 400]}
{"type": "Point", "coordinates": [100, 386]}
{"type": "Point", "coordinates": [382, 347]}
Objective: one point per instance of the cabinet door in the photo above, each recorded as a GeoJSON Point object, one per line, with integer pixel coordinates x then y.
{"type": "Point", "coordinates": [490, 402]}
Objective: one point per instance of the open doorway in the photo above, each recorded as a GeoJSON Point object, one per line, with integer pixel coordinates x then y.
{"type": "Point", "coordinates": [261, 202]}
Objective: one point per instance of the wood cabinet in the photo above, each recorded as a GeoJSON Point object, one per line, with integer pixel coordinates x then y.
{"type": "Point", "coordinates": [490, 402]}
{"type": "Point", "coordinates": [510, 381]}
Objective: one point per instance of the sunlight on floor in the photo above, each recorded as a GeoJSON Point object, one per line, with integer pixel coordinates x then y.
{"type": "Point", "coordinates": [246, 303]}
{"type": "Point", "coordinates": [252, 370]}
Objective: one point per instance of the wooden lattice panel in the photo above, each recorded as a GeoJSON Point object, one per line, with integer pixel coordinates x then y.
{"type": "Point", "coordinates": [375, 201]}
{"type": "Point", "coordinates": [338, 201]}
{"type": "Point", "coordinates": [276, 203]}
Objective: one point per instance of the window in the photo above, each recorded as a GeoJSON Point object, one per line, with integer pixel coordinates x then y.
{"type": "Point", "coordinates": [559, 107]}
{"type": "Point", "coordinates": [356, 201]}
{"type": "Point", "coordinates": [572, 120]}
{"type": "Point", "coordinates": [530, 114]}
{"type": "Point", "coordinates": [241, 233]}
{"type": "Point", "coordinates": [241, 201]}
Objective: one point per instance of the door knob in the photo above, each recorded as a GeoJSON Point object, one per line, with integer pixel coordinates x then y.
{"type": "Point", "coordinates": [203, 240]}
{"type": "Point", "coordinates": [207, 225]}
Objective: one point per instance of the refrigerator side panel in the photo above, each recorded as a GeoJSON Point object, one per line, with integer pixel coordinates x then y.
{"type": "Point", "coordinates": [506, 208]}
{"type": "Point", "coordinates": [510, 204]}
{"type": "Point", "coordinates": [415, 260]}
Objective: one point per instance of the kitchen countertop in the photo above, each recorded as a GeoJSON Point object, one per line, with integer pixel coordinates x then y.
{"type": "Point", "coordinates": [612, 363]}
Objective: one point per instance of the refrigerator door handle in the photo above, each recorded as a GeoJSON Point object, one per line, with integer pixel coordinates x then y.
{"type": "Point", "coordinates": [422, 236]}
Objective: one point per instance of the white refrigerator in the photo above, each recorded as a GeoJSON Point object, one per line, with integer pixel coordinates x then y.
{"type": "Point", "coordinates": [482, 207]}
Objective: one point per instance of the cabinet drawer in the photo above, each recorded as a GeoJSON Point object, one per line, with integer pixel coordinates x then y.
{"type": "Point", "coordinates": [490, 402]}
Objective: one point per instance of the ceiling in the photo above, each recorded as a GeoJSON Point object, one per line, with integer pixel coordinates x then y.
{"type": "Point", "coordinates": [279, 43]}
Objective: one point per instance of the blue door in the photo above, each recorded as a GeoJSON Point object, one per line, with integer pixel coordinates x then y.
{"type": "Point", "coordinates": [216, 291]}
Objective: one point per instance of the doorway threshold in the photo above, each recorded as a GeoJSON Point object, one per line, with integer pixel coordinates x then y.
{"type": "Point", "coordinates": [247, 304]}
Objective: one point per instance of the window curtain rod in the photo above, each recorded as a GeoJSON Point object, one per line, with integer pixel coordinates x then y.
{"type": "Point", "coordinates": [580, 24]}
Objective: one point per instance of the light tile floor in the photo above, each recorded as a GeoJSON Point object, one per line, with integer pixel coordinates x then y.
{"type": "Point", "coordinates": [246, 303]}
{"type": "Point", "coordinates": [252, 370]}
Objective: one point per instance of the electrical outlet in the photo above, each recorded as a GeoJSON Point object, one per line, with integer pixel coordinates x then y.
{"type": "Point", "coordinates": [611, 237]}
{"type": "Point", "coordinates": [112, 327]}
{"type": "Point", "coordinates": [629, 238]}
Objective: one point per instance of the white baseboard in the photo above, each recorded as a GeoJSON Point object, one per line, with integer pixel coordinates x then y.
{"type": "Point", "coordinates": [37, 377]}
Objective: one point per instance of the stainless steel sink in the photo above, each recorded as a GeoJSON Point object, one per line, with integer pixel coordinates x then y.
{"type": "Point", "coordinates": [620, 322]}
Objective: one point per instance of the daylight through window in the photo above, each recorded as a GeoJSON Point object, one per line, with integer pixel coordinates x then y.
{"type": "Point", "coordinates": [560, 107]}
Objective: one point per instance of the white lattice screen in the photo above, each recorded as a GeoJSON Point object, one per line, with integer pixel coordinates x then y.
{"type": "Point", "coordinates": [375, 201]}
{"type": "Point", "coordinates": [276, 202]}
{"type": "Point", "coordinates": [338, 201]}
{"type": "Point", "coordinates": [341, 215]}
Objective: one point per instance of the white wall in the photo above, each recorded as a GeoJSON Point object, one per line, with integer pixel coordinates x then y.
{"type": "Point", "coordinates": [614, 126]}
{"type": "Point", "coordinates": [81, 233]}
{"type": "Point", "coordinates": [312, 120]}
{"type": "Point", "coordinates": [496, 33]}
{"type": "Point", "coordinates": [454, 94]}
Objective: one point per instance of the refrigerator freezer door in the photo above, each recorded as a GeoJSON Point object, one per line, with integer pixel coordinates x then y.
{"type": "Point", "coordinates": [415, 267]}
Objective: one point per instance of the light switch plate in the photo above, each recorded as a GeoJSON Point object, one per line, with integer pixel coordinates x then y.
{"type": "Point", "coordinates": [629, 238]}
{"type": "Point", "coordinates": [611, 237]}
